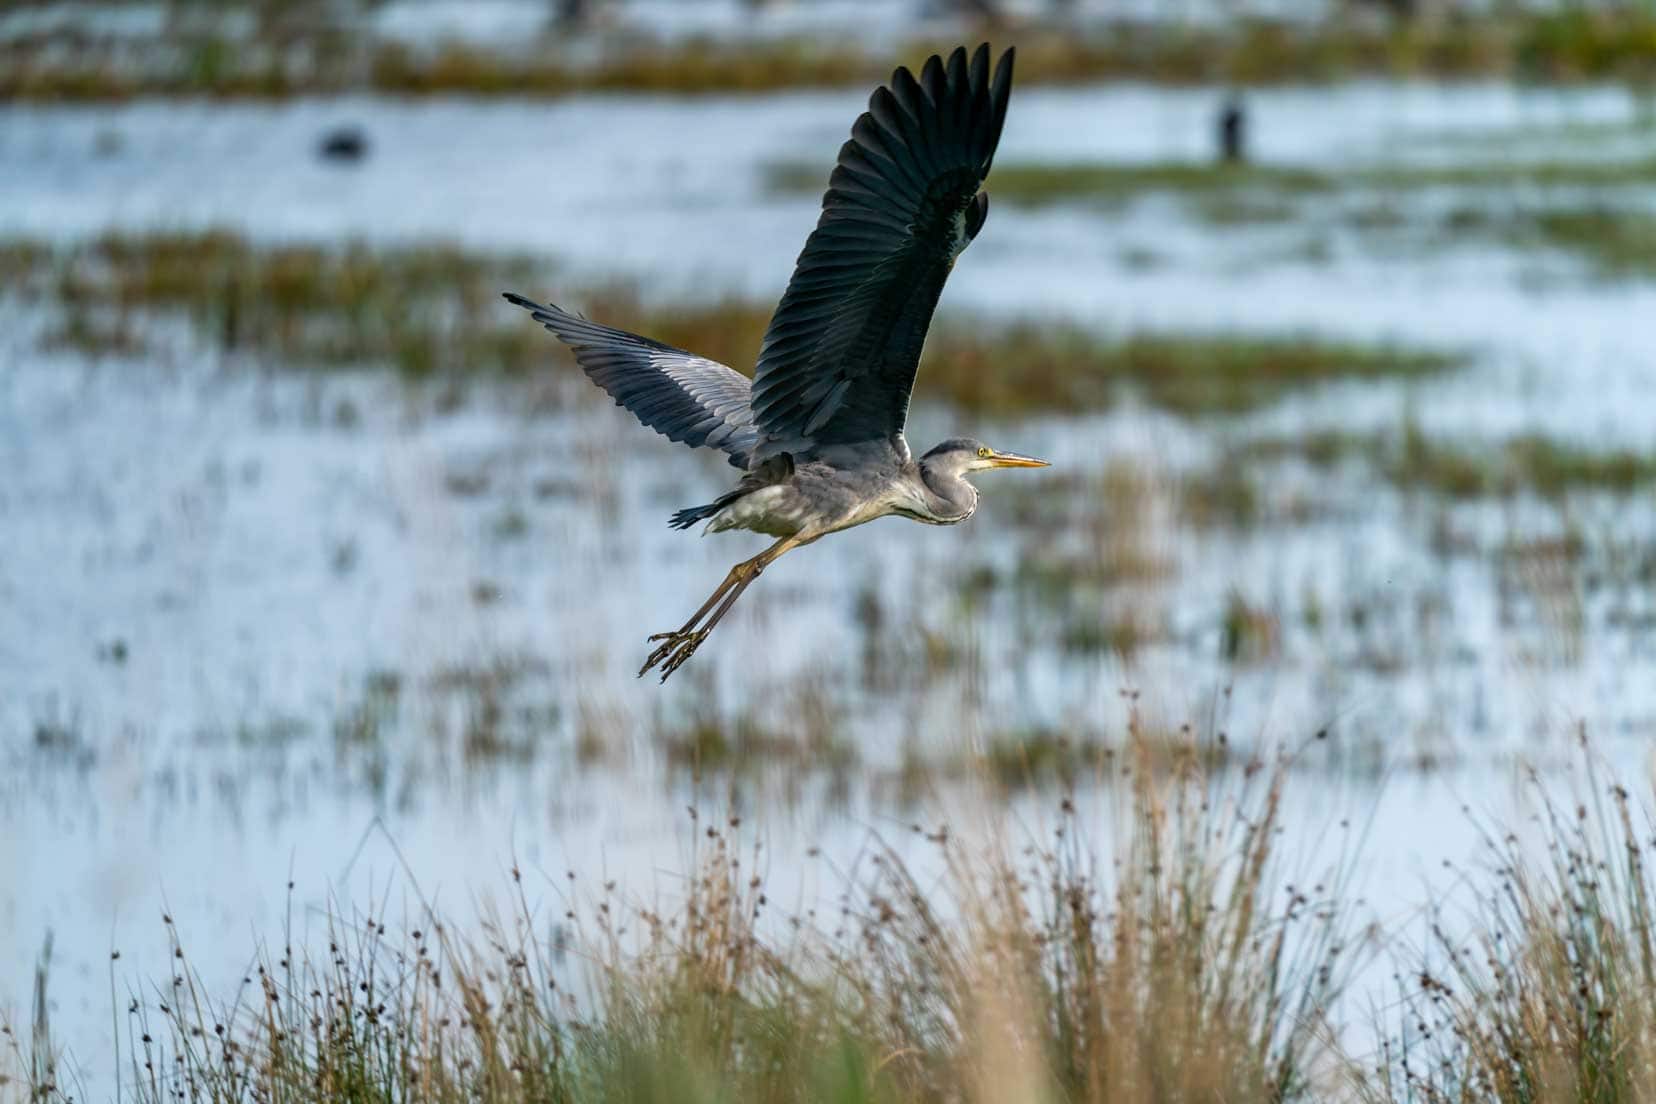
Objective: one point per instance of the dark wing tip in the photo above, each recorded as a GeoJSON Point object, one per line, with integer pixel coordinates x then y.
{"type": "Point", "coordinates": [1000, 92]}
{"type": "Point", "coordinates": [1001, 86]}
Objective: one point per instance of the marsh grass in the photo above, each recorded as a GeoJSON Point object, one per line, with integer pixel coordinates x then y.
{"type": "Point", "coordinates": [1070, 757]}
{"type": "Point", "coordinates": [803, 732]}
{"type": "Point", "coordinates": [1578, 172]}
{"type": "Point", "coordinates": [1615, 243]}
{"type": "Point", "coordinates": [322, 57]}
{"type": "Point", "coordinates": [1037, 185]}
{"type": "Point", "coordinates": [420, 309]}
{"type": "Point", "coordinates": [1176, 963]}
{"type": "Point", "coordinates": [1583, 208]}
{"type": "Point", "coordinates": [1411, 459]}
{"type": "Point", "coordinates": [434, 311]}
{"type": "Point", "coordinates": [1223, 193]}
{"type": "Point", "coordinates": [1548, 994]}
{"type": "Point", "coordinates": [1158, 950]}
{"type": "Point", "coordinates": [34, 1067]}
{"type": "Point", "coordinates": [1031, 369]}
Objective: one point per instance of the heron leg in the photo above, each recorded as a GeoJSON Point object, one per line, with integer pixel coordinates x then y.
{"type": "Point", "coordinates": [676, 647]}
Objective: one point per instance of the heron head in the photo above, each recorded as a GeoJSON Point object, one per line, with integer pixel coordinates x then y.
{"type": "Point", "coordinates": [963, 455]}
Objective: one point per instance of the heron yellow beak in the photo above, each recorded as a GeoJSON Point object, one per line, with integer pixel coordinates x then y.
{"type": "Point", "coordinates": [1014, 460]}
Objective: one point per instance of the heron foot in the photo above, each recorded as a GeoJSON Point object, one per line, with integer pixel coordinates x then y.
{"type": "Point", "coordinates": [676, 647]}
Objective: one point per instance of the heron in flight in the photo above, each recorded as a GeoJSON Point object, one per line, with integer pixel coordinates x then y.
{"type": "Point", "coordinates": [818, 431]}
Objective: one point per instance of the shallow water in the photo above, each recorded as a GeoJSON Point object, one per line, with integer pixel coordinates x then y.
{"type": "Point", "coordinates": [258, 621]}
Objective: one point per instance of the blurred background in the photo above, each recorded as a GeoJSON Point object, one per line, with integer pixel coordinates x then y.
{"type": "Point", "coordinates": [324, 574]}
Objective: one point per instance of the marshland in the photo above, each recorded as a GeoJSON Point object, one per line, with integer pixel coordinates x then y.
{"type": "Point", "coordinates": [1289, 739]}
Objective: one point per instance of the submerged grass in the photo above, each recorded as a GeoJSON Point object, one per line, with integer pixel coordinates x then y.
{"type": "Point", "coordinates": [321, 58]}
{"type": "Point", "coordinates": [435, 310]}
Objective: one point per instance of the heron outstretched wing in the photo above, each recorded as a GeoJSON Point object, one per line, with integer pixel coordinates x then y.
{"type": "Point", "coordinates": [681, 396]}
{"type": "Point", "coordinates": [838, 361]}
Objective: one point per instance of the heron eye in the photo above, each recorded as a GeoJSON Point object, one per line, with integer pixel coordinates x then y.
{"type": "Point", "coordinates": [984, 452]}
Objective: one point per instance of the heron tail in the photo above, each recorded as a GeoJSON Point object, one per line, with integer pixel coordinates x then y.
{"type": "Point", "coordinates": [778, 469]}
{"type": "Point", "coordinates": [691, 515]}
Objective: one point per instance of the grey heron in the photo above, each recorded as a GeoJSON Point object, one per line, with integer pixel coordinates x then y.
{"type": "Point", "coordinates": [818, 431]}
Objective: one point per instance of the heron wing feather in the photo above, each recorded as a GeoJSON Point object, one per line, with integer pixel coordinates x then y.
{"type": "Point", "coordinates": [840, 354]}
{"type": "Point", "coordinates": [684, 397]}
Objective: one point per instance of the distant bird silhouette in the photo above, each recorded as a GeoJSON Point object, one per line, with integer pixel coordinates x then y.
{"type": "Point", "coordinates": [572, 14]}
{"type": "Point", "coordinates": [1233, 131]}
{"type": "Point", "coordinates": [343, 143]}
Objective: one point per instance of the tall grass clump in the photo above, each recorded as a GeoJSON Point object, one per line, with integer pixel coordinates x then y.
{"type": "Point", "coordinates": [1171, 963]}
{"type": "Point", "coordinates": [1547, 993]}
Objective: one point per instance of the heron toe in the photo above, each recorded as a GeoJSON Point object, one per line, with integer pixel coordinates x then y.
{"type": "Point", "coordinates": [675, 649]}
{"type": "Point", "coordinates": [684, 651]}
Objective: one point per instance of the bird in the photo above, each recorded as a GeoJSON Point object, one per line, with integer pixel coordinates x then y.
{"type": "Point", "coordinates": [818, 430]}
{"type": "Point", "coordinates": [343, 143]}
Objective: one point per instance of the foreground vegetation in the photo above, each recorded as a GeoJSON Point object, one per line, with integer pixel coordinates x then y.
{"type": "Point", "coordinates": [1173, 967]}
{"type": "Point", "coordinates": [1182, 962]}
{"type": "Point", "coordinates": [435, 311]}
{"type": "Point", "coordinates": [1548, 993]}
{"type": "Point", "coordinates": [315, 58]}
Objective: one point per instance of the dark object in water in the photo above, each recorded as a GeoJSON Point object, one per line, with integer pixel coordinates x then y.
{"type": "Point", "coordinates": [1233, 131]}
{"type": "Point", "coordinates": [572, 14]}
{"type": "Point", "coordinates": [345, 143]}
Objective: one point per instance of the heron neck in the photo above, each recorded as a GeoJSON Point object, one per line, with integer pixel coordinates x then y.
{"type": "Point", "coordinates": [947, 496]}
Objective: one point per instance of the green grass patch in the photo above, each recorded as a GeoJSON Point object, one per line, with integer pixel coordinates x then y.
{"type": "Point", "coordinates": [321, 57]}
{"type": "Point", "coordinates": [1412, 460]}
{"type": "Point", "coordinates": [435, 310]}
{"type": "Point", "coordinates": [1614, 243]}
{"type": "Point", "coordinates": [1044, 756]}
{"type": "Point", "coordinates": [1036, 185]}
{"type": "Point", "coordinates": [1225, 194]}
{"type": "Point", "coordinates": [421, 310]}
{"type": "Point", "coordinates": [1555, 173]}
{"type": "Point", "coordinates": [806, 735]}
{"type": "Point", "coordinates": [1581, 135]}
{"type": "Point", "coordinates": [1029, 368]}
